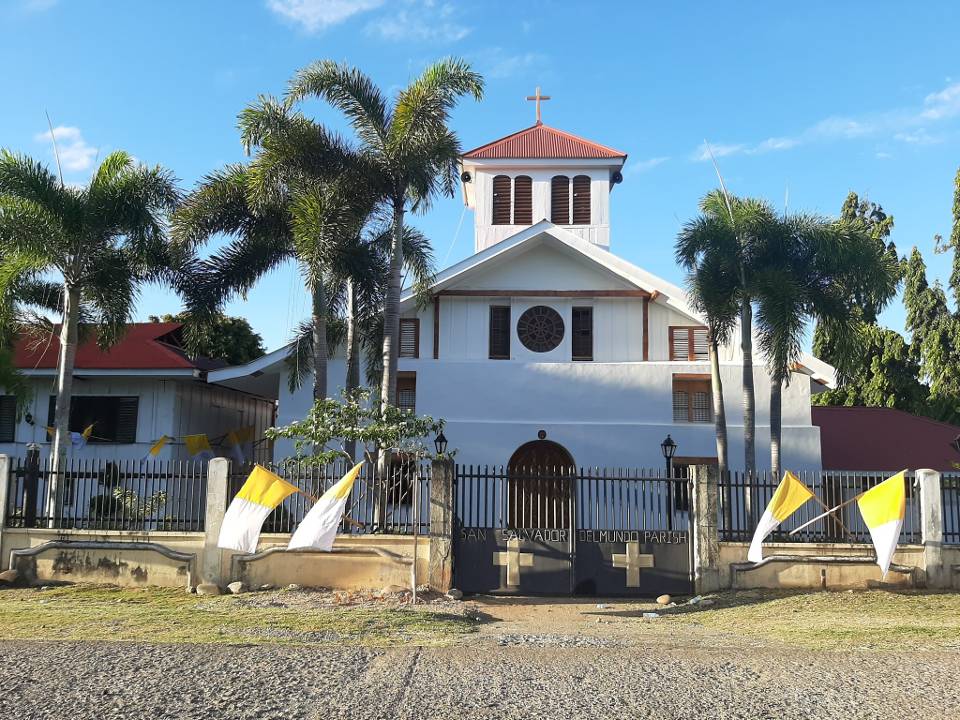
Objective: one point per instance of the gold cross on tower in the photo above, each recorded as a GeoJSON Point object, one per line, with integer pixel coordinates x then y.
{"type": "Point", "coordinates": [513, 560]}
{"type": "Point", "coordinates": [632, 560]}
{"type": "Point", "coordinates": [538, 98]}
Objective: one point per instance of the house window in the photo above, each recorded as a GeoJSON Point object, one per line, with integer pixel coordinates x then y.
{"type": "Point", "coordinates": [560, 200]}
{"type": "Point", "coordinates": [522, 200]}
{"type": "Point", "coordinates": [581, 200]}
{"type": "Point", "coordinates": [540, 328]}
{"type": "Point", "coordinates": [689, 343]}
{"type": "Point", "coordinates": [691, 399]}
{"type": "Point", "coordinates": [407, 391]}
{"type": "Point", "coordinates": [409, 337]}
{"type": "Point", "coordinates": [582, 336]}
{"type": "Point", "coordinates": [8, 418]}
{"type": "Point", "coordinates": [499, 332]}
{"type": "Point", "coordinates": [501, 200]}
{"type": "Point", "coordinates": [114, 418]}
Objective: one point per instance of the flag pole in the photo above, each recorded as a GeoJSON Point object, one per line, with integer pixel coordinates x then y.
{"type": "Point", "coordinates": [823, 515]}
{"type": "Point", "coordinates": [839, 522]}
{"type": "Point", "coordinates": [416, 532]}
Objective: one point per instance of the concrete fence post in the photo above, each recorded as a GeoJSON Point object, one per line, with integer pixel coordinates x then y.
{"type": "Point", "coordinates": [931, 527]}
{"type": "Point", "coordinates": [441, 525]}
{"type": "Point", "coordinates": [4, 487]}
{"type": "Point", "coordinates": [704, 534]}
{"type": "Point", "coordinates": [218, 478]}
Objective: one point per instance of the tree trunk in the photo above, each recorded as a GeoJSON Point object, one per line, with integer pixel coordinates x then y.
{"type": "Point", "coordinates": [353, 354]}
{"type": "Point", "coordinates": [61, 422]}
{"type": "Point", "coordinates": [749, 403]}
{"type": "Point", "coordinates": [776, 426]}
{"type": "Point", "coordinates": [391, 310]}
{"type": "Point", "coordinates": [719, 410]}
{"type": "Point", "coordinates": [320, 352]}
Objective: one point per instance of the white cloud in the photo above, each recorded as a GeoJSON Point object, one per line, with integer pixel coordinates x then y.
{"type": "Point", "coordinates": [883, 156]}
{"type": "Point", "coordinates": [906, 125]}
{"type": "Point", "coordinates": [640, 166]}
{"type": "Point", "coordinates": [494, 63]}
{"type": "Point", "coordinates": [422, 21]}
{"type": "Point", "coordinates": [316, 15]}
{"type": "Point", "coordinates": [75, 154]}
{"type": "Point", "coordinates": [38, 5]}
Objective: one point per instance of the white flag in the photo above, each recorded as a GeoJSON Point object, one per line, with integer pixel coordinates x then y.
{"type": "Point", "coordinates": [319, 528]}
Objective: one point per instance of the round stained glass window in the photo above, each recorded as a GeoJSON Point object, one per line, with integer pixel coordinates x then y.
{"type": "Point", "coordinates": [540, 328]}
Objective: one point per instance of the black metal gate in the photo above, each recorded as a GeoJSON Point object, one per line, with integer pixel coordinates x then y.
{"type": "Point", "coordinates": [571, 532]}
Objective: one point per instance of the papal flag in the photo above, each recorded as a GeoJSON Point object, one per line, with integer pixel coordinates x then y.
{"type": "Point", "coordinates": [882, 508]}
{"type": "Point", "coordinates": [260, 494]}
{"type": "Point", "coordinates": [156, 448]}
{"type": "Point", "coordinates": [787, 499]}
{"type": "Point", "coordinates": [198, 446]}
{"type": "Point", "coordinates": [318, 529]}
{"type": "Point", "coordinates": [78, 440]}
{"type": "Point", "coordinates": [237, 439]}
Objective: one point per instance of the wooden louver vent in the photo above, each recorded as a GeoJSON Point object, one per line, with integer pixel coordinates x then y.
{"type": "Point", "coordinates": [581, 200]}
{"type": "Point", "coordinates": [560, 200]}
{"type": "Point", "coordinates": [522, 200]}
{"type": "Point", "coordinates": [499, 332]}
{"type": "Point", "coordinates": [501, 200]}
{"type": "Point", "coordinates": [689, 343]}
{"type": "Point", "coordinates": [409, 337]}
{"type": "Point", "coordinates": [582, 335]}
{"type": "Point", "coordinates": [8, 418]}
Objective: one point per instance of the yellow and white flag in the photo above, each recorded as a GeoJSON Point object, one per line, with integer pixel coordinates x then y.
{"type": "Point", "coordinates": [787, 499]}
{"type": "Point", "coordinates": [882, 508]}
{"type": "Point", "coordinates": [260, 494]}
{"type": "Point", "coordinates": [237, 439]}
{"type": "Point", "coordinates": [78, 440]}
{"type": "Point", "coordinates": [198, 446]}
{"type": "Point", "coordinates": [156, 448]}
{"type": "Point", "coordinates": [318, 529]}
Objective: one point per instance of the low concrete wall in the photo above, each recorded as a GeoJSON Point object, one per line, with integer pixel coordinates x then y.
{"type": "Point", "coordinates": [832, 566]}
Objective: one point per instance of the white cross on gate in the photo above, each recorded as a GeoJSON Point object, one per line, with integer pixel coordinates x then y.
{"type": "Point", "coordinates": [513, 560]}
{"type": "Point", "coordinates": [632, 560]}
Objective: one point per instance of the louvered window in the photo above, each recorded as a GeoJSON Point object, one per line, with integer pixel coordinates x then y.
{"type": "Point", "coordinates": [582, 336]}
{"type": "Point", "coordinates": [691, 399]}
{"type": "Point", "coordinates": [8, 418]}
{"type": "Point", "coordinates": [499, 332]}
{"type": "Point", "coordinates": [560, 200]}
{"type": "Point", "coordinates": [522, 200]}
{"type": "Point", "coordinates": [407, 391]}
{"type": "Point", "coordinates": [501, 200]}
{"type": "Point", "coordinates": [409, 337]}
{"type": "Point", "coordinates": [114, 419]}
{"type": "Point", "coordinates": [581, 200]}
{"type": "Point", "coordinates": [689, 343]}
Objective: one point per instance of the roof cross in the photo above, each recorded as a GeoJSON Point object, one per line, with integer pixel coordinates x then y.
{"type": "Point", "coordinates": [538, 98]}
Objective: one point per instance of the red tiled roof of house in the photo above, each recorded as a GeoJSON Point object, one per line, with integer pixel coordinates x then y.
{"type": "Point", "coordinates": [542, 142]}
{"type": "Point", "coordinates": [145, 346]}
{"type": "Point", "coordinates": [867, 438]}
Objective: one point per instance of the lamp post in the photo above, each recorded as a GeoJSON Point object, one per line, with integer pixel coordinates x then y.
{"type": "Point", "coordinates": [669, 449]}
{"type": "Point", "coordinates": [440, 442]}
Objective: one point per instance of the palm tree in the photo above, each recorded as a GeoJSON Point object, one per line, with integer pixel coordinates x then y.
{"type": "Point", "coordinates": [409, 148]}
{"type": "Point", "coordinates": [100, 242]}
{"type": "Point", "coordinates": [723, 240]}
{"type": "Point", "coordinates": [293, 202]}
{"type": "Point", "coordinates": [810, 268]}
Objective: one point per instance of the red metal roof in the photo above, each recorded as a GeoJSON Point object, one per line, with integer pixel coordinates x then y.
{"type": "Point", "coordinates": [145, 346]}
{"type": "Point", "coordinates": [542, 142]}
{"type": "Point", "coordinates": [866, 438]}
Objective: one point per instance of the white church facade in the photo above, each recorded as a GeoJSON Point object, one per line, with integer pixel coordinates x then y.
{"type": "Point", "coordinates": [545, 341]}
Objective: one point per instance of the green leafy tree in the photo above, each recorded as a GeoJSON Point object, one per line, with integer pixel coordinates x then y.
{"type": "Point", "coordinates": [100, 242]}
{"type": "Point", "coordinates": [407, 149]}
{"type": "Point", "coordinates": [220, 337]}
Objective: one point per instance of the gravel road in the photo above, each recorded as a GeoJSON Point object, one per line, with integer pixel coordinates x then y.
{"type": "Point", "coordinates": [484, 679]}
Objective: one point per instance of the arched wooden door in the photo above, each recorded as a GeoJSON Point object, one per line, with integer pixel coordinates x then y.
{"type": "Point", "coordinates": [540, 474]}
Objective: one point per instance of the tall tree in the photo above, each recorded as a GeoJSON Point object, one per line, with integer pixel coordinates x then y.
{"type": "Point", "coordinates": [101, 242]}
{"type": "Point", "coordinates": [221, 337]}
{"type": "Point", "coordinates": [408, 145]}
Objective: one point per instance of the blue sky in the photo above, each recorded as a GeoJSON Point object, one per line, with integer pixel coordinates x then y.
{"type": "Point", "coordinates": [811, 100]}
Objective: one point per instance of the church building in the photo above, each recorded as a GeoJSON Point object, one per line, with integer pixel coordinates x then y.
{"type": "Point", "coordinates": [546, 347]}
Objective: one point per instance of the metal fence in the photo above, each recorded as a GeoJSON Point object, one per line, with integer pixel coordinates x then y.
{"type": "Point", "coordinates": [392, 504]}
{"type": "Point", "coordinates": [743, 500]}
{"type": "Point", "coordinates": [107, 495]}
{"type": "Point", "coordinates": [950, 492]}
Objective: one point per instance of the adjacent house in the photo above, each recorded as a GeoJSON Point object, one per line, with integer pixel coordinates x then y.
{"type": "Point", "coordinates": [142, 388]}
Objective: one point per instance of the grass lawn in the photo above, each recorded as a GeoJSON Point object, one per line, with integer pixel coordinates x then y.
{"type": "Point", "coordinates": [92, 612]}
{"type": "Point", "coordinates": [875, 619]}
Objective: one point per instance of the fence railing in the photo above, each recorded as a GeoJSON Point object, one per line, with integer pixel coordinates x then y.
{"type": "Point", "coordinates": [950, 493]}
{"type": "Point", "coordinates": [390, 504]}
{"type": "Point", "coordinates": [107, 495]}
{"type": "Point", "coordinates": [739, 492]}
